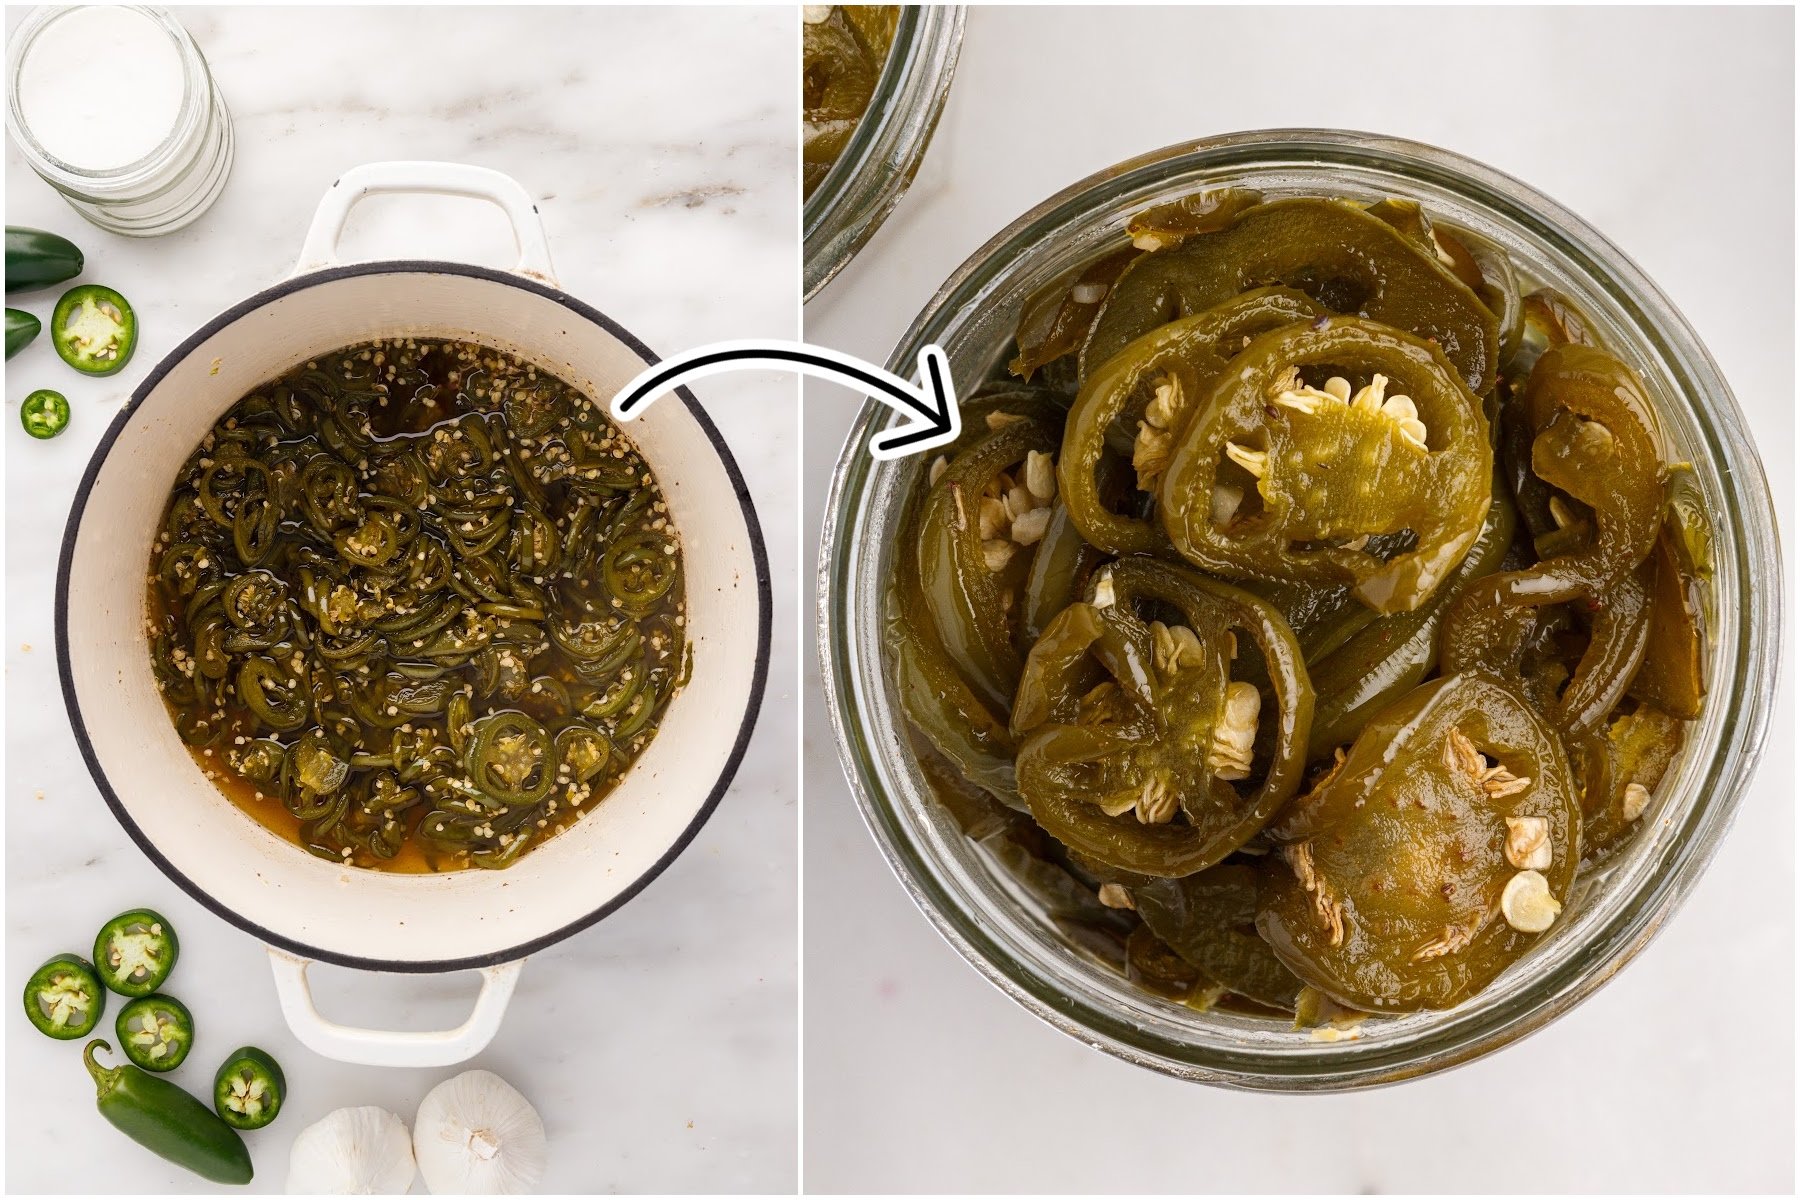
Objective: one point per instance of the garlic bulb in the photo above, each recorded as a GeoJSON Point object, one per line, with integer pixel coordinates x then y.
{"type": "Point", "coordinates": [475, 1135]}
{"type": "Point", "coordinates": [352, 1152]}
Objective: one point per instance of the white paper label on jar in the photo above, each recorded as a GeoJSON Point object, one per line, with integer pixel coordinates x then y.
{"type": "Point", "coordinates": [101, 87]}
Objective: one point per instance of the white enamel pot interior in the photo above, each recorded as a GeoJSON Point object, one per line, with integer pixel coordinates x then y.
{"type": "Point", "coordinates": [307, 908]}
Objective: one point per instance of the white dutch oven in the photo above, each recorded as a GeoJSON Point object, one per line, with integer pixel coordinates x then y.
{"type": "Point", "coordinates": [303, 907]}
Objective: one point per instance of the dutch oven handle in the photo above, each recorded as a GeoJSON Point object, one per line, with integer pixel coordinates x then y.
{"type": "Point", "coordinates": [431, 179]}
{"type": "Point", "coordinates": [384, 1048]}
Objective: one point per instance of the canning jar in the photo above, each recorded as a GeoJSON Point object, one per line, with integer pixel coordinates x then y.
{"type": "Point", "coordinates": [883, 154]}
{"type": "Point", "coordinates": [1613, 911]}
{"type": "Point", "coordinates": [141, 177]}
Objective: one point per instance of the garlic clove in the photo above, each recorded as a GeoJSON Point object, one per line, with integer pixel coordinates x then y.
{"type": "Point", "coordinates": [477, 1136]}
{"type": "Point", "coordinates": [352, 1152]}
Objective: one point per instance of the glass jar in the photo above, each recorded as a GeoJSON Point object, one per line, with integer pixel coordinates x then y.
{"type": "Point", "coordinates": [1614, 911]}
{"type": "Point", "coordinates": [164, 189]}
{"type": "Point", "coordinates": [883, 154]}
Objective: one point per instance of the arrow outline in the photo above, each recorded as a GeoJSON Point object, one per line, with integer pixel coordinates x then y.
{"type": "Point", "coordinates": [927, 429]}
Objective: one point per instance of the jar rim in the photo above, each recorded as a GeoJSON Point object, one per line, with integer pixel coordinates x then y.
{"type": "Point", "coordinates": [195, 86]}
{"type": "Point", "coordinates": [883, 153]}
{"type": "Point", "coordinates": [1724, 744]}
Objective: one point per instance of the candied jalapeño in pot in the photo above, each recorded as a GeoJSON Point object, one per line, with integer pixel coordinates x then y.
{"type": "Point", "coordinates": [416, 604]}
{"type": "Point", "coordinates": [1303, 609]}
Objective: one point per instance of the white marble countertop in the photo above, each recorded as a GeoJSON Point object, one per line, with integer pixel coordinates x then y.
{"type": "Point", "coordinates": [660, 1046]}
{"type": "Point", "coordinates": [1672, 131]}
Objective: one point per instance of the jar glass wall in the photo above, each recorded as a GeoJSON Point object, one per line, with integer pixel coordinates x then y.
{"type": "Point", "coordinates": [883, 154]}
{"type": "Point", "coordinates": [1615, 909]}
